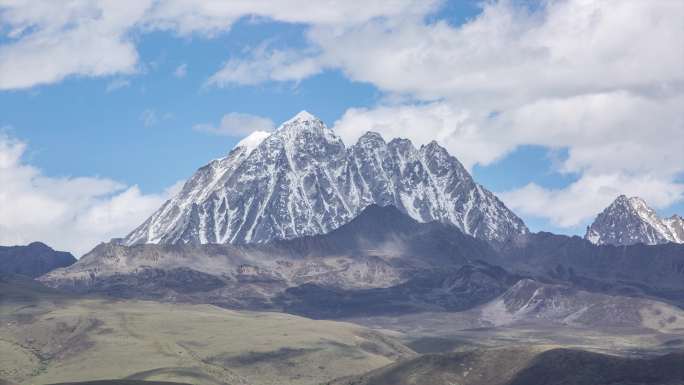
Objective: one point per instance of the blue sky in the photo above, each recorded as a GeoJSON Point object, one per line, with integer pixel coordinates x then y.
{"type": "Point", "coordinates": [133, 124]}
{"type": "Point", "coordinates": [78, 128]}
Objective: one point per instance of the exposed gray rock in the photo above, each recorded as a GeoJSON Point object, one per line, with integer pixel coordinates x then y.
{"type": "Point", "coordinates": [629, 221]}
{"type": "Point", "coordinates": [381, 256]}
{"type": "Point", "coordinates": [634, 270]}
{"type": "Point", "coordinates": [302, 180]}
{"type": "Point", "coordinates": [533, 301]}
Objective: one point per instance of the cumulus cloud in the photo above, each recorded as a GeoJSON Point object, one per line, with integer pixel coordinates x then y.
{"type": "Point", "coordinates": [583, 199]}
{"type": "Point", "coordinates": [84, 210]}
{"type": "Point", "coordinates": [511, 54]}
{"type": "Point", "coordinates": [210, 17]}
{"type": "Point", "coordinates": [267, 65]}
{"type": "Point", "coordinates": [48, 41]}
{"type": "Point", "coordinates": [236, 124]}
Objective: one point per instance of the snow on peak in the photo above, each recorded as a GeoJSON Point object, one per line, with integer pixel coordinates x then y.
{"type": "Point", "coordinates": [301, 130]}
{"type": "Point", "coordinates": [302, 116]}
{"type": "Point", "coordinates": [370, 137]}
{"type": "Point", "coordinates": [309, 182]}
{"type": "Point", "coordinates": [253, 140]}
{"type": "Point", "coordinates": [638, 203]}
{"type": "Point", "coordinates": [629, 220]}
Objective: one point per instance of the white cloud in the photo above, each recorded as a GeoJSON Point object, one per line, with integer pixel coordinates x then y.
{"type": "Point", "coordinates": [236, 124]}
{"type": "Point", "coordinates": [604, 132]}
{"type": "Point", "coordinates": [214, 16]}
{"type": "Point", "coordinates": [267, 65]}
{"type": "Point", "coordinates": [117, 84]}
{"type": "Point", "coordinates": [72, 214]}
{"type": "Point", "coordinates": [181, 71]}
{"type": "Point", "coordinates": [583, 199]}
{"type": "Point", "coordinates": [510, 55]}
{"type": "Point", "coordinates": [51, 40]}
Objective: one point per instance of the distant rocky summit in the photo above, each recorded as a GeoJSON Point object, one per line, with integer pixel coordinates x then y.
{"type": "Point", "coordinates": [628, 221]}
{"type": "Point", "coordinates": [32, 260]}
{"type": "Point", "coordinates": [302, 180]}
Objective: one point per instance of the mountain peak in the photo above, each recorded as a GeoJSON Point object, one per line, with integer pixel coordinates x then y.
{"type": "Point", "coordinates": [302, 116]}
{"type": "Point", "coordinates": [370, 137]}
{"type": "Point", "coordinates": [623, 202]}
{"type": "Point", "coordinates": [629, 220]}
{"type": "Point", "coordinates": [622, 198]}
{"type": "Point", "coordinates": [303, 180]}
{"type": "Point", "coordinates": [434, 145]}
{"type": "Point", "coordinates": [305, 133]}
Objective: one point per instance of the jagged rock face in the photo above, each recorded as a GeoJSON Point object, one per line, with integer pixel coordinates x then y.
{"type": "Point", "coordinates": [675, 224]}
{"type": "Point", "coordinates": [302, 180]}
{"type": "Point", "coordinates": [629, 221]}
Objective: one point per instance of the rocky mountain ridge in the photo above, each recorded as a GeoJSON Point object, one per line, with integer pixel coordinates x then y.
{"type": "Point", "coordinates": [32, 260]}
{"type": "Point", "coordinates": [628, 221]}
{"type": "Point", "coordinates": [380, 248]}
{"type": "Point", "coordinates": [302, 180]}
{"type": "Point", "coordinates": [382, 256]}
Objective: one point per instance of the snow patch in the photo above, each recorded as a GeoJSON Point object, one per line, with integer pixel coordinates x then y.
{"type": "Point", "coordinates": [253, 140]}
{"type": "Point", "coordinates": [302, 116]}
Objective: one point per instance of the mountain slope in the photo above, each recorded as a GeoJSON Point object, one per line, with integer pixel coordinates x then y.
{"type": "Point", "coordinates": [526, 366]}
{"type": "Point", "coordinates": [302, 180]}
{"type": "Point", "coordinates": [628, 221]}
{"type": "Point", "coordinates": [32, 260]}
{"type": "Point", "coordinates": [51, 337]}
{"type": "Point", "coordinates": [379, 249]}
{"type": "Point", "coordinates": [389, 233]}
{"type": "Point", "coordinates": [445, 289]}
{"type": "Point", "coordinates": [635, 270]}
{"type": "Point", "coordinates": [532, 301]}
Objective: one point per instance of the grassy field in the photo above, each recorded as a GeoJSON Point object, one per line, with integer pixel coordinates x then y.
{"type": "Point", "coordinates": [49, 338]}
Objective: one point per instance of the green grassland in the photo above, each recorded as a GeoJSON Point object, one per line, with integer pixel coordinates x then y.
{"type": "Point", "coordinates": [47, 337]}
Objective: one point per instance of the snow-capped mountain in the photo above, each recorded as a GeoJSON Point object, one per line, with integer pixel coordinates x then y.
{"type": "Point", "coordinates": [302, 180]}
{"type": "Point", "coordinates": [628, 221]}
